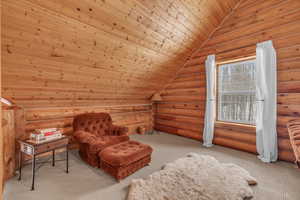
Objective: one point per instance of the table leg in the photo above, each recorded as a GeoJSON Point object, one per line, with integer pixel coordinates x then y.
{"type": "Point", "coordinates": [20, 164]}
{"type": "Point", "coordinates": [67, 159]}
{"type": "Point", "coordinates": [53, 158]}
{"type": "Point", "coordinates": [33, 172]}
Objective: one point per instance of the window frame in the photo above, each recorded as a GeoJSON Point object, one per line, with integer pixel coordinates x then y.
{"type": "Point", "coordinates": [218, 64]}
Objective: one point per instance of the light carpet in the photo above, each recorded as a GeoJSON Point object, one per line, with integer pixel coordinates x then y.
{"type": "Point", "coordinates": [276, 181]}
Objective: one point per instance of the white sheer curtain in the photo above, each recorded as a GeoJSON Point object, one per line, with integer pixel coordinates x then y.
{"type": "Point", "coordinates": [236, 92]}
{"type": "Point", "coordinates": [266, 94]}
{"type": "Point", "coordinates": [208, 134]}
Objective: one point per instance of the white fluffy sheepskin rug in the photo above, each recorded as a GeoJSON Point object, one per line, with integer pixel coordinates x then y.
{"type": "Point", "coordinates": [194, 177]}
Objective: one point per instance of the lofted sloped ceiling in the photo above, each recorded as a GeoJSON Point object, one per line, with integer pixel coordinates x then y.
{"type": "Point", "coordinates": [99, 52]}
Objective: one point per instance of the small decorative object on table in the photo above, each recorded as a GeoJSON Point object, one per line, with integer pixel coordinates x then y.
{"type": "Point", "coordinates": [34, 147]}
{"type": "Point", "coordinates": [141, 130]}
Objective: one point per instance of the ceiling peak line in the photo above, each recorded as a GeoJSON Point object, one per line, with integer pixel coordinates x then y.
{"type": "Point", "coordinates": [196, 50]}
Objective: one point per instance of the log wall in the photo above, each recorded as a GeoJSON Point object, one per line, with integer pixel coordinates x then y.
{"type": "Point", "coordinates": [251, 22]}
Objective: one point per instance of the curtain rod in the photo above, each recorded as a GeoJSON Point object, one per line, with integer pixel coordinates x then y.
{"type": "Point", "coordinates": [236, 60]}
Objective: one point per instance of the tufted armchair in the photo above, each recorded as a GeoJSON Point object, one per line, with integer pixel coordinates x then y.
{"type": "Point", "coordinates": [294, 133]}
{"type": "Point", "coordinates": [94, 132]}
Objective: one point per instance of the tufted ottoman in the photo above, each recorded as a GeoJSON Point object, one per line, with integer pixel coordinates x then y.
{"type": "Point", "coordinates": [125, 158]}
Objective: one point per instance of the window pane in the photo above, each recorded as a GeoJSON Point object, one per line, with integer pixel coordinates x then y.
{"type": "Point", "coordinates": [236, 92]}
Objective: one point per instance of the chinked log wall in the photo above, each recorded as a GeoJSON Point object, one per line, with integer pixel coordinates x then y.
{"type": "Point", "coordinates": [253, 21]}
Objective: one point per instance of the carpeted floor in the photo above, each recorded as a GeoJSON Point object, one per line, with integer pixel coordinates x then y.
{"type": "Point", "coordinates": [279, 181]}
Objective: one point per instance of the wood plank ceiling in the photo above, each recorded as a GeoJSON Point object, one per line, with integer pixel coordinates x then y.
{"type": "Point", "coordinates": [99, 52]}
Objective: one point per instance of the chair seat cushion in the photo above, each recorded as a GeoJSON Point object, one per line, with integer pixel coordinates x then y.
{"type": "Point", "coordinates": [125, 153]}
{"type": "Point", "coordinates": [104, 141]}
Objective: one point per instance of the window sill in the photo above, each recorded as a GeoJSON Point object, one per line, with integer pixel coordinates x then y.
{"type": "Point", "coordinates": [235, 126]}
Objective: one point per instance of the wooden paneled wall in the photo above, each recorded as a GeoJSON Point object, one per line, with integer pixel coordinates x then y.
{"type": "Point", "coordinates": [8, 139]}
{"type": "Point", "coordinates": [96, 52]}
{"type": "Point", "coordinates": [253, 21]}
{"type": "Point", "coordinates": [1, 124]}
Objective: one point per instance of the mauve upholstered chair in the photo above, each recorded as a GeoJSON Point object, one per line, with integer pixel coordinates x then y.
{"type": "Point", "coordinates": [94, 132]}
{"type": "Point", "coordinates": [294, 133]}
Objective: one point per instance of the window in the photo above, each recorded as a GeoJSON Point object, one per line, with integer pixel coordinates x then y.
{"type": "Point", "coordinates": [236, 92]}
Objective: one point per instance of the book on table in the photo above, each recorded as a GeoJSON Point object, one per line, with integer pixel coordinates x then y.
{"type": "Point", "coordinates": [44, 135]}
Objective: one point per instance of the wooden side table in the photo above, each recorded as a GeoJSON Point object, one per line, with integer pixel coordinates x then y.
{"type": "Point", "coordinates": [33, 149]}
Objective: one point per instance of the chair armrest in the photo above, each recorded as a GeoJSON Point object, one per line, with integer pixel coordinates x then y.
{"type": "Point", "coordinates": [84, 137]}
{"type": "Point", "coordinates": [118, 130]}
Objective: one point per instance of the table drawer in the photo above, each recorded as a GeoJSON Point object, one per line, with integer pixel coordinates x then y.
{"type": "Point", "coordinates": [50, 145]}
{"type": "Point", "coordinates": [27, 149]}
